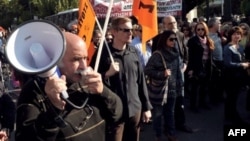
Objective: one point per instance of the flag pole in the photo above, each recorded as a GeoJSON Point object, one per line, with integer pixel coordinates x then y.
{"type": "Point", "coordinates": [103, 35]}
{"type": "Point", "coordinates": [105, 41]}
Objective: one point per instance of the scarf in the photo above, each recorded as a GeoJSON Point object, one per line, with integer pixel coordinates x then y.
{"type": "Point", "coordinates": [203, 40]}
{"type": "Point", "coordinates": [170, 54]}
{"type": "Point", "coordinates": [205, 46]}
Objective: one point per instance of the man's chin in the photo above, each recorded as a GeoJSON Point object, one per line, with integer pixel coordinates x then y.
{"type": "Point", "coordinates": [77, 79]}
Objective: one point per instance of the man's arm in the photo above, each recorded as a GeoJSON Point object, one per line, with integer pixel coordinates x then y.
{"type": "Point", "coordinates": [110, 105]}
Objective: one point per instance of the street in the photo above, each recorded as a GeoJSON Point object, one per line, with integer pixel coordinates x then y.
{"type": "Point", "coordinates": [209, 122]}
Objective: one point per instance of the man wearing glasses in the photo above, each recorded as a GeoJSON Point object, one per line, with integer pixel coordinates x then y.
{"type": "Point", "coordinates": [42, 114]}
{"type": "Point", "coordinates": [128, 82]}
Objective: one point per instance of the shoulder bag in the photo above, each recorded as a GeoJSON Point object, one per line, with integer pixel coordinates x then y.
{"type": "Point", "coordinates": [158, 89]}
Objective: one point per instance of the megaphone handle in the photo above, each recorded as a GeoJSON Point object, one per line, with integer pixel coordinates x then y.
{"type": "Point", "coordinates": [64, 95]}
{"type": "Point", "coordinates": [73, 105]}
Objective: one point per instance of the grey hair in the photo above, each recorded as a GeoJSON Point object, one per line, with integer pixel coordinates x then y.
{"type": "Point", "coordinates": [212, 22]}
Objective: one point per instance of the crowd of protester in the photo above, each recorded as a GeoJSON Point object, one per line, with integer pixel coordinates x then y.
{"type": "Point", "coordinates": [207, 63]}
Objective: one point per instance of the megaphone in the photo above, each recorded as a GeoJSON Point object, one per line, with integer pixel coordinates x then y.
{"type": "Point", "coordinates": [36, 47]}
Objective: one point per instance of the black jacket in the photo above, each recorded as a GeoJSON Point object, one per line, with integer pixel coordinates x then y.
{"type": "Point", "coordinates": [7, 112]}
{"type": "Point", "coordinates": [38, 120]}
{"type": "Point", "coordinates": [195, 63]}
{"type": "Point", "coordinates": [129, 83]}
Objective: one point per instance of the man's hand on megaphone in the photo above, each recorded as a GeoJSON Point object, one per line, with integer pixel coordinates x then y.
{"type": "Point", "coordinates": [113, 69]}
{"type": "Point", "coordinates": [53, 88]}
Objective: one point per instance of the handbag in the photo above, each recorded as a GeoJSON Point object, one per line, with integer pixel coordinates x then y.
{"type": "Point", "coordinates": [157, 89]}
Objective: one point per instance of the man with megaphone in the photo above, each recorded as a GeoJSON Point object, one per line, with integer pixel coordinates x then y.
{"type": "Point", "coordinates": [42, 113]}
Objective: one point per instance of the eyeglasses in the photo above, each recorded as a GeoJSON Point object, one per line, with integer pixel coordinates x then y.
{"type": "Point", "coordinates": [171, 23]}
{"type": "Point", "coordinates": [109, 39]}
{"type": "Point", "coordinates": [202, 29]}
{"type": "Point", "coordinates": [243, 28]}
{"type": "Point", "coordinates": [139, 30]}
{"type": "Point", "coordinates": [172, 39]}
{"type": "Point", "coordinates": [185, 29]}
{"type": "Point", "coordinates": [125, 29]}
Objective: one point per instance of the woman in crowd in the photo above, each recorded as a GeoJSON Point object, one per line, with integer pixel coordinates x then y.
{"type": "Point", "coordinates": [200, 49]}
{"type": "Point", "coordinates": [162, 105]}
{"type": "Point", "coordinates": [245, 36]}
{"type": "Point", "coordinates": [235, 73]}
{"type": "Point", "coordinates": [187, 31]}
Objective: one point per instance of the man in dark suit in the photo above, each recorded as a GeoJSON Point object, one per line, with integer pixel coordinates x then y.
{"type": "Point", "coordinates": [128, 81]}
{"type": "Point", "coordinates": [170, 23]}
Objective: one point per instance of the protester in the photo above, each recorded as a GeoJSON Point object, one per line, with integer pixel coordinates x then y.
{"type": "Point", "coordinates": [96, 38]}
{"type": "Point", "coordinates": [7, 116]}
{"type": "Point", "coordinates": [144, 55]}
{"type": "Point", "coordinates": [245, 36]}
{"type": "Point", "coordinates": [43, 115]}
{"type": "Point", "coordinates": [200, 48]}
{"type": "Point", "coordinates": [217, 90]}
{"type": "Point", "coordinates": [235, 73]}
{"type": "Point", "coordinates": [170, 23]}
{"type": "Point", "coordinates": [128, 82]}
{"type": "Point", "coordinates": [247, 59]}
{"type": "Point", "coordinates": [171, 77]}
{"type": "Point", "coordinates": [187, 31]}
{"type": "Point", "coordinates": [109, 37]}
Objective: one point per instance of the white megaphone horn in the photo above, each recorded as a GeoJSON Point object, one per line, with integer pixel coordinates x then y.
{"type": "Point", "coordinates": [23, 45]}
{"type": "Point", "coordinates": [36, 47]}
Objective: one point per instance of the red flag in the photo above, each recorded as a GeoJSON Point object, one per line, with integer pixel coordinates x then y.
{"type": "Point", "coordinates": [86, 21]}
{"type": "Point", "coordinates": [145, 12]}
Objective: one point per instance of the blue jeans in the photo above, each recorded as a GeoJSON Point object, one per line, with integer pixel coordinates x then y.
{"type": "Point", "coordinates": [167, 113]}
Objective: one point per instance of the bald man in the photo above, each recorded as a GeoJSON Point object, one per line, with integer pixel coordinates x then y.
{"type": "Point", "coordinates": [43, 114]}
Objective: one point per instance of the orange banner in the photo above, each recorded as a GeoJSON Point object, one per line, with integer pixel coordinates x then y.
{"type": "Point", "coordinates": [86, 21]}
{"type": "Point", "coordinates": [145, 12]}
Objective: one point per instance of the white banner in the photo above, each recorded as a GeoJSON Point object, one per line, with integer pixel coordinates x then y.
{"type": "Point", "coordinates": [124, 7]}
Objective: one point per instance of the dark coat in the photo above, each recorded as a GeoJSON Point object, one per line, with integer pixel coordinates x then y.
{"type": "Point", "coordinates": [234, 72]}
{"type": "Point", "coordinates": [195, 63]}
{"type": "Point", "coordinates": [7, 112]}
{"type": "Point", "coordinates": [129, 83]}
{"type": "Point", "coordinates": [38, 119]}
{"type": "Point", "coordinates": [156, 70]}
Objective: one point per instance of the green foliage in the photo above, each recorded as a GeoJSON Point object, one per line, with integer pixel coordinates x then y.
{"type": "Point", "coordinates": [245, 7]}
{"type": "Point", "coordinates": [50, 7]}
{"type": "Point", "coordinates": [24, 10]}
{"type": "Point", "coordinates": [8, 10]}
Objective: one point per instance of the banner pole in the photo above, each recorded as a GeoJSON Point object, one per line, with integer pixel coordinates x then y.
{"type": "Point", "coordinates": [103, 35]}
{"type": "Point", "coordinates": [105, 41]}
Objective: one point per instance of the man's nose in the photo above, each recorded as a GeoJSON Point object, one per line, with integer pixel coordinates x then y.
{"type": "Point", "coordinates": [83, 64]}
